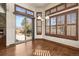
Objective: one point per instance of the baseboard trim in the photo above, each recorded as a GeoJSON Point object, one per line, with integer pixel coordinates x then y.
{"type": "Point", "coordinates": [23, 42]}
{"type": "Point", "coordinates": [11, 45]}
{"type": "Point", "coordinates": [64, 45]}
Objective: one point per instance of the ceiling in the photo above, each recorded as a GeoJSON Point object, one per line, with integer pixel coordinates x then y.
{"type": "Point", "coordinates": [38, 4]}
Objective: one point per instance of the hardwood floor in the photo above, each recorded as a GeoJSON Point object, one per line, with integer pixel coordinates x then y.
{"type": "Point", "coordinates": [38, 48]}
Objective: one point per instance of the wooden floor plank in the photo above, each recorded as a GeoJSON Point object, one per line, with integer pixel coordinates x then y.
{"type": "Point", "coordinates": [38, 48]}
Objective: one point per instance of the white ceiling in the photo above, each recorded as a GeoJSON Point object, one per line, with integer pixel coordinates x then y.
{"type": "Point", "coordinates": [38, 4]}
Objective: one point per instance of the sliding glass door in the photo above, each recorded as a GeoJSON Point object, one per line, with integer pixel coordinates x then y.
{"type": "Point", "coordinates": [20, 32]}
{"type": "Point", "coordinates": [23, 28]}
{"type": "Point", "coordinates": [28, 28]}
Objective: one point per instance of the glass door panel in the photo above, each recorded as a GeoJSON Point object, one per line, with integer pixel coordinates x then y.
{"type": "Point", "coordinates": [24, 28]}
{"type": "Point", "coordinates": [20, 33]}
{"type": "Point", "coordinates": [28, 28]}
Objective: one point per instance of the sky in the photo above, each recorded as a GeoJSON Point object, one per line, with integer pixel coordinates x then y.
{"type": "Point", "coordinates": [19, 20]}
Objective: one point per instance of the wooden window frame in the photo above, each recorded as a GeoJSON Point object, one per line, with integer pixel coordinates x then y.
{"type": "Point", "coordinates": [22, 13]}
{"type": "Point", "coordinates": [61, 24]}
{"type": "Point", "coordinates": [37, 23]}
{"type": "Point", "coordinates": [73, 37]}
{"type": "Point", "coordinates": [61, 5]}
{"type": "Point", "coordinates": [47, 11]}
{"type": "Point", "coordinates": [71, 6]}
{"type": "Point", "coordinates": [65, 35]}
{"type": "Point", "coordinates": [53, 25]}
{"type": "Point", "coordinates": [53, 8]}
{"type": "Point", "coordinates": [65, 4]}
{"type": "Point", "coordinates": [49, 28]}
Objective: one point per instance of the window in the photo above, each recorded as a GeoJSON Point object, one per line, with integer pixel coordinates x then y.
{"type": "Point", "coordinates": [60, 7]}
{"type": "Point", "coordinates": [68, 5]}
{"type": "Point", "coordinates": [61, 24]}
{"type": "Point", "coordinates": [53, 10]}
{"type": "Point", "coordinates": [47, 26]}
{"type": "Point", "coordinates": [53, 25]}
{"type": "Point", "coordinates": [23, 10]}
{"type": "Point", "coordinates": [29, 12]}
{"type": "Point", "coordinates": [71, 24]}
{"type": "Point", "coordinates": [39, 27]}
{"type": "Point", "coordinates": [39, 23]}
{"type": "Point", "coordinates": [20, 9]}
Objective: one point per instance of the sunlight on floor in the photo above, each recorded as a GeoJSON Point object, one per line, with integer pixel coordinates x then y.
{"type": "Point", "coordinates": [39, 52]}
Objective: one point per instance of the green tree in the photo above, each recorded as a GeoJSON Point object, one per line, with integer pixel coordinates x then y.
{"type": "Point", "coordinates": [26, 25]}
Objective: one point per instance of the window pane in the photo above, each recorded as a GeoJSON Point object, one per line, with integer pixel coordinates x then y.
{"type": "Point", "coordinates": [60, 30]}
{"type": "Point", "coordinates": [38, 29]}
{"type": "Point", "coordinates": [53, 21]}
{"type": "Point", "coordinates": [20, 9]}
{"type": "Point", "coordinates": [71, 18]}
{"type": "Point", "coordinates": [53, 29]}
{"type": "Point", "coordinates": [68, 19]}
{"type": "Point", "coordinates": [71, 30]}
{"type": "Point", "coordinates": [61, 7]}
{"type": "Point", "coordinates": [53, 10]}
{"type": "Point", "coordinates": [58, 20]}
{"type": "Point", "coordinates": [68, 30]}
{"type": "Point", "coordinates": [39, 23]}
{"type": "Point", "coordinates": [61, 20]}
{"type": "Point", "coordinates": [47, 30]}
{"type": "Point", "coordinates": [47, 22]}
{"type": "Point", "coordinates": [70, 4]}
{"type": "Point", "coordinates": [29, 12]}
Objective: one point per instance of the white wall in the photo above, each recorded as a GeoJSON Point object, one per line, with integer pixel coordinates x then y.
{"type": "Point", "coordinates": [10, 24]}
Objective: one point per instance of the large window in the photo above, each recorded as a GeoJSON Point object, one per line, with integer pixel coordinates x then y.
{"type": "Point", "coordinates": [60, 7]}
{"type": "Point", "coordinates": [71, 24]}
{"type": "Point", "coordinates": [63, 25]}
{"type": "Point", "coordinates": [53, 25]}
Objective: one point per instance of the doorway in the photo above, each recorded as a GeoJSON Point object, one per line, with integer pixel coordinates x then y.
{"type": "Point", "coordinates": [24, 28]}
